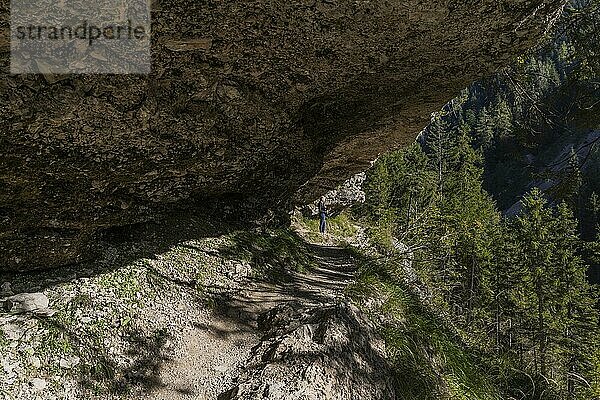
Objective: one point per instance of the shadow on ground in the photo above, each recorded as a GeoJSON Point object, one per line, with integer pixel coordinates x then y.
{"type": "Point", "coordinates": [290, 271]}
{"type": "Point", "coordinates": [121, 247]}
{"type": "Point", "coordinates": [285, 268]}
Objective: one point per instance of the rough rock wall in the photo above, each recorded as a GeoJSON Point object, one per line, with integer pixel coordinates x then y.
{"type": "Point", "coordinates": [254, 102]}
{"type": "Point", "coordinates": [345, 195]}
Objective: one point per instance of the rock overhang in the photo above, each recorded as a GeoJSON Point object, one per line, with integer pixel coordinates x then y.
{"type": "Point", "coordinates": [257, 103]}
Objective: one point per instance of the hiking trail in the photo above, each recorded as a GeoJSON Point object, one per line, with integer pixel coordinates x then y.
{"type": "Point", "coordinates": [217, 351]}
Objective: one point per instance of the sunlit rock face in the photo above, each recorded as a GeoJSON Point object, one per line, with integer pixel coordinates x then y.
{"type": "Point", "coordinates": [257, 104]}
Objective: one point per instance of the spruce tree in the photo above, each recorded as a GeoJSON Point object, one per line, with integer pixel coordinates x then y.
{"type": "Point", "coordinates": [553, 302]}
{"type": "Point", "coordinates": [575, 317]}
{"type": "Point", "coordinates": [484, 129]}
{"type": "Point", "coordinates": [438, 143]}
{"type": "Point", "coordinates": [504, 119]}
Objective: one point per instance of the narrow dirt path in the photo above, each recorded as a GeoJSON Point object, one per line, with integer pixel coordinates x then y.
{"type": "Point", "coordinates": [216, 350]}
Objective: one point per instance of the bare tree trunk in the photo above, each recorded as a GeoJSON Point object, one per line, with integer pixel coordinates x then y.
{"type": "Point", "coordinates": [471, 291]}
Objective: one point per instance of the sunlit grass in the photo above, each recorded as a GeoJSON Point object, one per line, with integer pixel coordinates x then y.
{"type": "Point", "coordinates": [430, 362]}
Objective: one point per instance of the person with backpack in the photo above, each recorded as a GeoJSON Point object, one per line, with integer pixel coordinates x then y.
{"type": "Point", "coordinates": [322, 215]}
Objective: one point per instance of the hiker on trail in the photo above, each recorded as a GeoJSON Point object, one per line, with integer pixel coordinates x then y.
{"type": "Point", "coordinates": [322, 215]}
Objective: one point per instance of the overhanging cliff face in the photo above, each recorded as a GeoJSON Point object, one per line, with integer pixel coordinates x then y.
{"type": "Point", "coordinates": [264, 102]}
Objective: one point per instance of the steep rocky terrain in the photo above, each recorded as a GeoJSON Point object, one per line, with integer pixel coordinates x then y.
{"type": "Point", "coordinates": [230, 314]}
{"type": "Point", "coordinates": [249, 105]}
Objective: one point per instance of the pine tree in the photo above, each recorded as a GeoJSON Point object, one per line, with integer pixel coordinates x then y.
{"type": "Point", "coordinates": [470, 118]}
{"type": "Point", "coordinates": [504, 119]}
{"type": "Point", "coordinates": [533, 297]}
{"type": "Point", "coordinates": [574, 183]}
{"type": "Point", "coordinates": [575, 317]}
{"type": "Point", "coordinates": [484, 129]}
{"type": "Point", "coordinates": [505, 280]}
{"type": "Point", "coordinates": [552, 303]}
{"type": "Point", "coordinates": [438, 143]}
{"type": "Point", "coordinates": [595, 212]}
{"type": "Point", "coordinates": [469, 219]}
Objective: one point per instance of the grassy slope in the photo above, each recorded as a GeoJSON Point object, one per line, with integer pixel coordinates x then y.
{"type": "Point", "coordinates": [431, 362]}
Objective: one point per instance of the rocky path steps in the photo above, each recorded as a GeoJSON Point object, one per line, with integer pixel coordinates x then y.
{"type": "Point", "coordinates": [298, 339]}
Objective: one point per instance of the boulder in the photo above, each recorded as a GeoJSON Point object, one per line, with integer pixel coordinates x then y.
{"type": "Point", "coordinates": [36, 303]}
